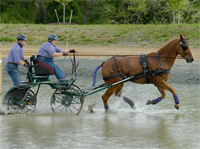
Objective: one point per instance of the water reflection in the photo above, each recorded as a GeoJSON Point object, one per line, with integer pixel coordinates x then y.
{"type": "Point", "coordinates": [159, 126]}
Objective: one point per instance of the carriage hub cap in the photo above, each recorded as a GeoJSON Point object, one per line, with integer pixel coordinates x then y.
{"type": "Point", "coordinates": [67, 100]}
{"type": "Point", "coordinates": [22, 104]}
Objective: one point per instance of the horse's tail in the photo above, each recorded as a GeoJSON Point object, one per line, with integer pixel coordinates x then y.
{"type": "Point", "coordinates": [95, 73]}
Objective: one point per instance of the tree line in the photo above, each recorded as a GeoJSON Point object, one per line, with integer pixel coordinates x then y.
{"type": "Point", "coordinates": [100, 11]}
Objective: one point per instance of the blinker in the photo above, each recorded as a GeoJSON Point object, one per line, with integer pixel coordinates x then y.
{"type": "Point", "coordinates": [184, 47]}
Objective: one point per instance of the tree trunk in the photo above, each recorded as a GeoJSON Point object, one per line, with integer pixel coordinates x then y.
{"type": "Point", "coordinates": [64, 12]}
{"type": "Point", "coordinates": [178, 17]}
{"type": "Point", "coordinates": [43, 12]}
{"type": "Point", "coordinates": [84, 17]}
{"type": "Point", "coordinates": [174, 16]}
{"type": "Point", "coordinates": [170, 18]}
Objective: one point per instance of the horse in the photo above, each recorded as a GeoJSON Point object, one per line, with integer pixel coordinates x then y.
{"type": "Point", "coordinates": [153, 68]}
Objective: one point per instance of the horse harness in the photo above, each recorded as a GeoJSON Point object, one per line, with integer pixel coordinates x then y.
{"type": "Point", "coordinates": [184, 48]}
{"type": "Point", "coordinates": [113, 66]}
{"type": "Point", "coordinates": [143, 62]}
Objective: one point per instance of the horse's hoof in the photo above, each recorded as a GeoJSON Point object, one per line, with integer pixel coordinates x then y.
{"type": "Point", "coordinates": [107, 110]}
{"type": "Point", "coordinates": [176, 106]}
{"type": "Point", "coordinates": [149, 102]}
{"type": "Point", "coordinates": [132, 105]}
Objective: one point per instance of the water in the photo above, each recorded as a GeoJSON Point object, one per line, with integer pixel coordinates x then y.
{"type": "Point", "coordinates": [153, 126]}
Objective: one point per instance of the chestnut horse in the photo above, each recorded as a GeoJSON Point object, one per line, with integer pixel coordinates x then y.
{"type": "Point", "coordinates": [155, 70]}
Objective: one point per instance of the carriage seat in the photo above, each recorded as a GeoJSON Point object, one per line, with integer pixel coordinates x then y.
{"type": "Point", "coordinates": [42, 69]}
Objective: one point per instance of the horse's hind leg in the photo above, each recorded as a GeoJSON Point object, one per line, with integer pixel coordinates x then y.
{"type": "Point", "coordinates": [107, 95]}
{"type": "Point", "coordinates": [118, 93]}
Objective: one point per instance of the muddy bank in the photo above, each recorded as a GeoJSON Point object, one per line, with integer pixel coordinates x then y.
{"type": "Point", "coordinates": [181, 72]}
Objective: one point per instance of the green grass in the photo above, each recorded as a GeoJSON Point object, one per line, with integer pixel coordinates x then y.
{"type": "Point", "coordinates": [102, 35]}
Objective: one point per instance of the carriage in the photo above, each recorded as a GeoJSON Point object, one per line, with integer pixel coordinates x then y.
{"type": "Point", "coordinates": [67, 97]}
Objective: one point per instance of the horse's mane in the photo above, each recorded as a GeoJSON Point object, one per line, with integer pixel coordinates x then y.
{"type": "Point", "coordinates": [167, 44]}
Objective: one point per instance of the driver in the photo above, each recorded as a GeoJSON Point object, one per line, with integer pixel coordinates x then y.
{"type": "Point", "coordinates": [48, 51]}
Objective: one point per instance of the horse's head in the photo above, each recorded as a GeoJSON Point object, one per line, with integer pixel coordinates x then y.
{"type": "Point", "coordinates": [186, 52]}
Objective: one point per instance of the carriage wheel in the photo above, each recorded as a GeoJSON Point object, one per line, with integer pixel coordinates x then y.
{"type": "Point", "coordinates": [68, 100]}
{"type": "Point", "coordinates": [22, 100]}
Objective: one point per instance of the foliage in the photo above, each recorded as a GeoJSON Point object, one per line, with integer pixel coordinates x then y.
{"type": "Point", "coordinates": [63, 2]}
{"type": "Point", "coordinates": [100, 11]}
{"type": "Point", "coordinates": [17, 11]}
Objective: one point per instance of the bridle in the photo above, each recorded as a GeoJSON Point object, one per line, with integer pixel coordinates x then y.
{"type": "Point", "coordinates": [184, 48]}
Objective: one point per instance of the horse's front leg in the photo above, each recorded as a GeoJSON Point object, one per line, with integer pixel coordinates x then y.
{"type": "Point", "coordinates": [155, 101]}
{"type": "Point", "coordinates": [166, 86]}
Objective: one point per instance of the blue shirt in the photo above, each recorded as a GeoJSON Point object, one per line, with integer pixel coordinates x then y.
{"type": "Point", "coordinates": [47, 49]}
{"type": "Point", "coordinates": [16, 54]}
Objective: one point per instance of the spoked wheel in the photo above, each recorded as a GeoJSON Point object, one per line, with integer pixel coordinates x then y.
{"type": "Point", "coordinates": [22, 100]}
{"type": "Point", "coordinates": [68, 100]}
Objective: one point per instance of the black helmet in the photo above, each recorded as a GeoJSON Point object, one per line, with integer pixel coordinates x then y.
{"type": "Point", "coordinates": [52, 37]}
{"type": "Point", "coordinates": [21, 37]}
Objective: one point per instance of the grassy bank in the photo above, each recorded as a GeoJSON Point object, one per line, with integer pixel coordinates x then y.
{"type": "Point", "coordinates": [102, 35]}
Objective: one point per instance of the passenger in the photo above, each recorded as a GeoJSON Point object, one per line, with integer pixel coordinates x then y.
{"type": "Point", "coordinates": [48, 51]}
{"type": "Point", "coordinates": [15, 57]}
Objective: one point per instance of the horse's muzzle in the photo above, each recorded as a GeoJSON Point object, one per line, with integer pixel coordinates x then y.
{"type": "Point", "coordinates": [189, 60]}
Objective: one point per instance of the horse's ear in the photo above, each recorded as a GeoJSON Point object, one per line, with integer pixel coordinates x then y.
{"type": "Point", "coordinates": [184, 35]}
{"type": "Point", "coordinates": [181, 37]}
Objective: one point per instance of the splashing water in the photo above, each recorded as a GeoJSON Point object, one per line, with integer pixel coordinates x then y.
{"type": "Point", "coordinates": [115, 106]}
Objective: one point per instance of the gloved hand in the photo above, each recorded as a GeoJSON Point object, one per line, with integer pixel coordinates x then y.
{"type": "Point", "coordinates": [65, 54]}
{"type": "Point", "coordinates": [26, 64]}
{"type": "Point", "coordinates": [72, 51]}
{"type": "Point", "coordinates": [26, 61]}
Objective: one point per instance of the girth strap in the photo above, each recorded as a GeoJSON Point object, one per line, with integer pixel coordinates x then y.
{"type": "Point", "coordinates": [161, 71]}
{"type": "Point", "coordinates": [143, 61]}
{"type": "Point", "coordinates": [158, 72]}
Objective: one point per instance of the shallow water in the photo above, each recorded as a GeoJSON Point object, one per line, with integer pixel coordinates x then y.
{"type": "Point", "coordinates": [154, 126]}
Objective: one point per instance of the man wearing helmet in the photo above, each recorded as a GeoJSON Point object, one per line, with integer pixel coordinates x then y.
{"type": "Point", "coordinates": [15, 57]}
{"type": "Point", "coordinates": [48, 51]}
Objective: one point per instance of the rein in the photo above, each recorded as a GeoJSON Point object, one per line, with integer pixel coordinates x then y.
{"type": "Point", "coordinates": [74, 64]}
